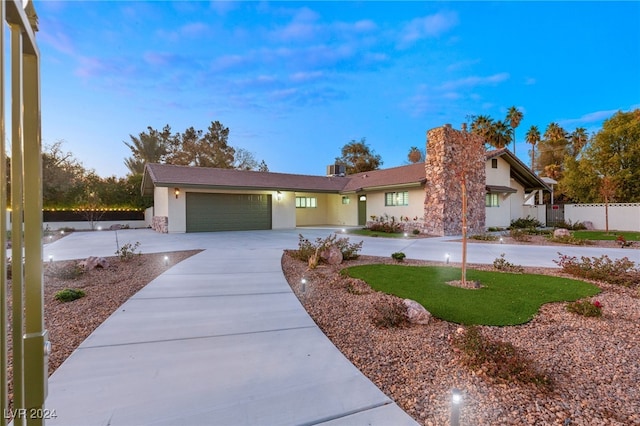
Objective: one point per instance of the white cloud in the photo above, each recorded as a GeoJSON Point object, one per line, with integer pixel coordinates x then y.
{"type": "Point", "coordinates": [303, 76]}
{"type": "Point", "coordinates": [474, 81]}
{"type": "Point", "coordinates": [529, 81]}
{"type": "Point", "coordinates": [427, 27]}
{"type": "Point", "coordinates": [591, 117]}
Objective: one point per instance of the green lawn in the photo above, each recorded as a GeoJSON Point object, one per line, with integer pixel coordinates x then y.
{"type": "Point", "coordinates": [504, 299]}
{"type": "Point", "coordinates": [602, 235]}
{"type": "Point", "coordinates": [368, 233]}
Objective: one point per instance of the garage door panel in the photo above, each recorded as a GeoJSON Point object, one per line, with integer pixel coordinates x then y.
{"type": "Point", "coordinates": [227, 212]}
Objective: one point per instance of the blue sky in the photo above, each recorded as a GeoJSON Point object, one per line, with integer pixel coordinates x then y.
{"type": "Point", "coordinates": [295, 81]}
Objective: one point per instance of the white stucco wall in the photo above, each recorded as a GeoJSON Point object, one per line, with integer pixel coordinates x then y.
{"type": "Point", "coordinates": [342, 214]}
{"type": "Point", "coordinates": [622, 216]}
{"type": "Point", "coordinates": [310, 216]}
{"type": "Point", "coordinates": [375, 204]}
{"type": "Point", "coordinates": [500, 176]}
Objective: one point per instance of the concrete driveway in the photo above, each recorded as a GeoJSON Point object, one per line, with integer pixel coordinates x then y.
{"type": "Point", "coordinates": [220, 339]}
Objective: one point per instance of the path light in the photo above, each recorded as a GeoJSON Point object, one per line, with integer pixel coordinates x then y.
{"type": "Point", "coordinates": [303, 281]}
{"type": "Point", "coordinates": [344, 230]}
{"type": "Point", "coordinates": [62, 232]}
{"type": "Point", "coordinates": [456, 404]}
{"type": "Point", "coordinates": [446, 257]}
{"type": "Point", "coordinates": [501, 240]}
{"type": "Point", "coordinates": [99, 228]}
{"type": "Point", "coordinates": [166, 260]}
{"type": "Point", "coordinates": [50, 237]}
{"type": "Point", "coordinates": [50, 258]}
{"type": "Point", "coordinates": [406, 235]}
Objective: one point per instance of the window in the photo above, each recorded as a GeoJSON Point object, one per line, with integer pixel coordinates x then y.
{"type": "Point", "coordinates": [491, 200]}
{"type": "Point", "coordinates": [306, 202]}
{"type": "Point", "coordinates": [494, 163]}
{"type": "Point", "coordinates": [345, 199]}
{"type": "Point", "coordinates": [396, 198]}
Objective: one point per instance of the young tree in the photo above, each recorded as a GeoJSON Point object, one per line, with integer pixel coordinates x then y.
{"type": "Point", "coordinates": [514, 116]}
{"type": "Point", "coordinates": [358, 157]}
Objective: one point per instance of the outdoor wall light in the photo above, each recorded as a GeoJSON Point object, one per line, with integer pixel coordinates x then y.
{"type": "Point", "coordinates": [278, 195]}
{"type": "Point", "coordinates": [176, 191]}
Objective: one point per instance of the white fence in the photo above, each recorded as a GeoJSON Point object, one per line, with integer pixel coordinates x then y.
{"type": "Point", "coordinates": [86, 225]}
{"type": "Point", "coordinates": [622, 216]}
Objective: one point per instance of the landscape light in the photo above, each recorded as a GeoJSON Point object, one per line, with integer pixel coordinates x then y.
{"type": "Point", "coordinates": [501, 240]}
{"type": "Point", "coordinates": [447, 256]}
{"type": "Point", "coordinates": [166, 260]}
{"type": "Point", "coordinates": [344, 230]}
{"type": "Point", "coordinates": [62, 232]}
{"type": "Point", "coordinates": [99, 228]}
{"type": "Point", "coordinates": [50, 258]}
{"type": "Point", "coordinates": [303, 281]}
{"type": "Point", "coordinates": [406, 235]}
{"type": "Point", "coordinates": [456, 403]}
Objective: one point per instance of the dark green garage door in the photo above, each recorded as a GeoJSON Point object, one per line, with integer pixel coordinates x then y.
{"type": "Point", "coordinates": [227, 212]}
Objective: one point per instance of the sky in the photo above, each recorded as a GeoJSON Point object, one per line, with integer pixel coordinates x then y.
{"type": "Point", "coordinates": [295, 81]}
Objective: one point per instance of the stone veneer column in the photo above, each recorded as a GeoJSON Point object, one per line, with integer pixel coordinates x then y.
{"type": "Point", "coordinates": [450, 153]}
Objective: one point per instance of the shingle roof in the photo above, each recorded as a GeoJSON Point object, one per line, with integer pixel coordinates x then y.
{"type": "Point", "coordinates": [403, 175]}
{"type": "Point", "coordinates": [168, 175]}
{"type": "Point", "coordinates": [187, 176]}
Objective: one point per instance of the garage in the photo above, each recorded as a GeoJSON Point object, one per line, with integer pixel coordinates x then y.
{"type": "Point", "coordinates": [227, 212]}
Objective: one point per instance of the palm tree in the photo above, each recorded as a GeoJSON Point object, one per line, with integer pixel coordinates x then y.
{"type": "Point", "coordinates": [579, 139]}
{"type": "Point", "coordinates": [533, 137]}
{"type": "Point", "coordinates": [501, 134]}
{"type": "Point", "coordinates": [482, 125]}
{"type": "Point", "coordinates": [514, 116]}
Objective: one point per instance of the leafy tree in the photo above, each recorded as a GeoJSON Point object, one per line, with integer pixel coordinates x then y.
{"type": "Point", "coordinates": [533, 138]}
{"type": "Point", "coordinates": [514, 117]}
{"type": "Point", "coordinates": [244, 160]}
{"type": "Point", "coordinates": [214, 150]}
{"type": "Point", "coordinates": [416, 155]}
{"type": "Point", "coordinates": [62, 176]}
{"type": "Point", "coordinates": [183, 148]}
{"type": "Point", "coordinates": [612, 153]}
{"type": "Point", "coordinates": [262, 167]}
{"type": "Point", "coordinates": [358, 157]}
{"type": "Point", "coordinates": [148, 147]}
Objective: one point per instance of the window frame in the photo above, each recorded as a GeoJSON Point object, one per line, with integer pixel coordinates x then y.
{"type": "Point", "coordinates": [396, 199]}
{"type": "Point", "coordinates": [306, 202]}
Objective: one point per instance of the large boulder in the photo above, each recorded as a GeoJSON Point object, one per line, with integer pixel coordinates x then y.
{"type": "Point", "coordinates": [93, 262]}
{"type": "Point", "coordinates": [416, 313]}
{"type": "Point", "coordinates": [332, 255]}
{"type": "Point", "coordinates": [561, 233]}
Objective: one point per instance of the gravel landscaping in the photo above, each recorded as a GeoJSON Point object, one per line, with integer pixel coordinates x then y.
{"type": "Point", "coordinates": [593, 362]}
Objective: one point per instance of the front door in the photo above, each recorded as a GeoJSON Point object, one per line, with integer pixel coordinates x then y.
{"type": "Point", "coordinates": [362, 210]}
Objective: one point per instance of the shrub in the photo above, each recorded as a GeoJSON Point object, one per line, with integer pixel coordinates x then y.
{"type": "Point", "coordinates": [398, 256]}
{"type": "Point", "coordinates": [65, 271]}
{"type": "Point", "coordinates": [385, 223]}
{"type": "Point", "coordinates": [69, 295]}
{"type": "Point", "coordinates": [309, 251]}
{"type": "Point", "coordinates": [525, 223]}
{"type": "Point", "coordinates": [494, 229]}
{"type": "Point", "coordinates": [623, 241]}
{"type": "Point", "coordinates": [498, 360]}
{"type": "Point", "coordinates": [585, 308]}
{"type": "Point", "coordinates": [519, 235]}
{"type": "Point", "coordinates": [484, 237]}
{"type": "Point", "coordinates": [503, 264]}
{"type": "Point", "coordinates": [390, 313]}
{"type": "Point", "coordinates": [575, 226]}
{"type": "Point", "coordinates": [570, 240]}
{"type": "Point", "coordinates": [619, 271]}
{"type": "Point", "coordinates": [128, 251]}
{"type": "Point", "coordinates": [416, 231]}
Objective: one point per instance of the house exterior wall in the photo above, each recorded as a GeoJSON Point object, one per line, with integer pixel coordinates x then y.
{"type": "Point", "coordinates": [538, 212]}
{"type": "Point", "coordinates": [342, 214]}
{"type": "Point", "coordinates": [375, 204]}
{"type": "Point", "coordinates": [516, 201]}
{"type": "Point", "coordinates": [499, 176]}
{"type": "Point", "coordinates": [310, 216]}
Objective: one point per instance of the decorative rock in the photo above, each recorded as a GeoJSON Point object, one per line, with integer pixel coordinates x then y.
{"type": "Point", "coordinates": [589, 225]}
{"type": "Point", "coordinates": [416, 313]}
{"type": "Point", "coordinates": [115, 227]}
{"type": "Point", "coordinates": [93, 262]}
{"type": "Point", "coordinates": [561, 232]}
{"type": "Point", "coordinates": [332, 255]}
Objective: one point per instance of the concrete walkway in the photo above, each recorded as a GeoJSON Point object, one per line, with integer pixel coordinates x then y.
{"type": "Point", "coordinates": [220, 339]}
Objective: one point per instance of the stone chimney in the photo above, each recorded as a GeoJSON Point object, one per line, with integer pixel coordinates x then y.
{"type": "Point", "coordinates": [452, 153]}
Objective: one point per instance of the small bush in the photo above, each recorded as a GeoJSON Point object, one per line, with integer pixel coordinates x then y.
{"type": "Point", "coordinates": [65, 271]}
{"type": "Point", "coordinates": [128, 251]}
{"type": "Point", "coordinates": [623, 241]}
{"type": "Point", "coordinates": [494, 229]}
{"type": "Point", "coordinates": [575, 226]}
{"type": "Point", "coordinates": [570, 240]}
{"type": "Point", "coordinates": [69, 295]}
{"type": "Point", "coordinates": [498, 360]}
{"type": "Point", "coordinates": [525, 223]}
{"type": "Point", "coordinates": [585, 308]}
{"type": "Point", "coordinates": [485, 237]}
{"type": "Point", "coordinates": [416, 232]}
{"type": "Point", "coordinates": [390, 313]}
{"type": "Point", "coordinates": [503, 264]}
{"type": "Point", "coordinates": [520, 235]}
{"type": "Point", "coordinates": [619, 271]}
{"type": "Point", "coordinates": [385, 223]}
{"type": "Point", "coordinates": [308, 250]}
{"type": "Point", "coordinates": [398, 256]}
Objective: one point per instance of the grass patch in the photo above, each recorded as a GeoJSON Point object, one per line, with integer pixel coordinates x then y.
{"type": "Point", "coordinates": [370, 233]}
{"type": "Point", "coordinates": [504, 299]}
{"type": "Point", "coordinates": [602, 235]}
